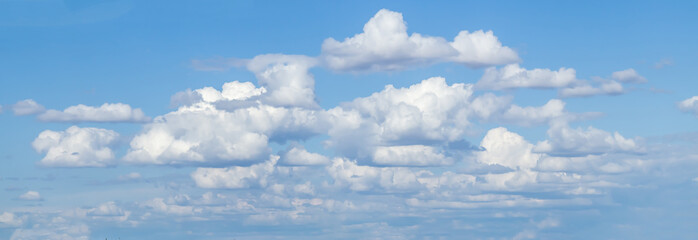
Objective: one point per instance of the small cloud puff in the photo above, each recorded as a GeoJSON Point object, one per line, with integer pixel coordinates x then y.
{"type": "Point", "coordinates": [27, 107]}
{"type": "Point", "coordinates": [30, 196]}
{"type": "Point", "coordinates": [689, 105]}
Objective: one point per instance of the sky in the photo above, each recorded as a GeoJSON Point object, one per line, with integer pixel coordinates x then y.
{"type": "Point", "coordinates": [238, 120]}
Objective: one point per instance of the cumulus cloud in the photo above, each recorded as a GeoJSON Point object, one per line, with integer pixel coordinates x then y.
{"type": "Point", "coordinates": [528, 116]}
{"type": "Point", "coordinates": [76, 147]}
{"type": "Point", "coordinates": [208, 133]}
{"type": "Point", "coordinates": [300, 157]}
{"type": "Point", "coordinates": [628, 76]}
{"type": "Point", "coordinates": [235, 177]}
{"type": "Point", "coordinates": [347, 173]}
{"type": "Point", "coordinates": [27, 107]}
{"type": "Point", "coordinates": [286, 78]}
{"type": "Point", "coordinates": [428, 112]}
{"type": "Point", "coordinates": [30, 196]}
{"type": "Point", "coordinates": [514, 76]}
{"type": "Point", "coordinates": [689, 105]}
{"type": "Point", "coordinates": [564, 140]}
{"type": "Point", "coordinates": [108, 112]}
{"type": "Point", "coordinates": [507, 149]}
{"type": "Point", "coordinates": [384, 45]}
{"type": "Point", "coordinates": [8, 219]}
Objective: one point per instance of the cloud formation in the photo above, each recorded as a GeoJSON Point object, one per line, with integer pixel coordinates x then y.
{"type": "Point", "coordinates": [514, 76]}
{"type": "Point", "coordinates": [76, 147]}
{"type": "Point", "coordinates": [689, 105]}
{"type": "Point", "coordinates": [384, 45]}
{"type": "Point", "coordinates": [27, 107]}
{"type": "Point", "coordinates": [108, 112]}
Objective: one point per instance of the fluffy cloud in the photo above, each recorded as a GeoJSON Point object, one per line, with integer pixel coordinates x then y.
{"type": "Point", "coordinates": [30, 196]}
{"type": "Point", "coordinates": [286, 78]}
{"type": "Point", "coordinates": [584, 89]}
{"type": "Point", "coordinates": [410, 155]}
{"type": "Point", "coordinates": [689, 105]}
{"type": "Point", "coordinates": [628, 76]}
{"type": "Point", "coordinates": [514, 76]}
{"type": "Point", "coordinates": [8, 219]}
{"type": "Point", "coordinates": [428, 112]}
{"type": "Point", "coordinates": [507, 149]}
{"type": "Point", "coordinates": [564, 140]}
{"type": "Point", "coordinates": [108, 112]}
{"type": "Point", "coordinates": [203, 134]}
{"type": "Point", "coordinates": [528, 116]}
{"type": "Point", "coordinates": [364, 178]}
{"type": "Point", "coordinates": [300, 157]}
{"type": "Point", "coordinates": [76, 147]}
{"type": "Point", "coordinates": [235, 177]}
{"type": "Point", "coordinates": [27, 107]}
{"type": "Point", "coordinates": [385, 45]}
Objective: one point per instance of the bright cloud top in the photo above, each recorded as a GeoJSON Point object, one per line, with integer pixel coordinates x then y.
{"type": "Point", "coordinates": [689, 105]}
{"type": "Point", "coordinates": [385, 45]}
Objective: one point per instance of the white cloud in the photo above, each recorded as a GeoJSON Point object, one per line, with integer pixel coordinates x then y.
{"type": "Point", "coordinates": [30, 196]}
{"type": "Point", "coordinates": [628, 76]}
{"type": "Point", "coordinates": [366, 178]}
{"type": "Point", "coordinates": [109, 211]}
{"type": "Point", "coordinates": [202, 134]}
{"type": "Point", "coordinates": [286, 79]}
{"type": "Point", "coordinates": [160, 205]}
{"type": "Point", "coordinates": [76, 147]}
{"type": "Point", "coordinates": [528, 116]}
{"type": "Point", "coordinates": [108, 112]}
{"type": "Point", "coordinates": [689, 105]}
{"type": "Point", "coordinates": [130, 177]}
{"type": "Point", "coordinates": [8, 219]}
{"type": "Point", "coordinates": [507, 149]}
{"type": "Point", "coordinates": [27, 107]}
{"type": "Point", "coordinates": [481, 49]}
{"type": "Point", "coordinates": [514, 76]}
{"type": "Point", "coordinates": [384, 45]}
{"type": "Point", "coordinates": [428, 112]}
{"type": "Point", "coordinates": [235, 177]}
{"type": "Point", "coordinates": [57, 229]}
{"type": "Point", "coordinates": [564, 140]}
{"type": "Point", "coordinates": [410, 155]}
{"type": "Point", "coordinates": [230, 91]}
{"type": "Point", "coordinates": [585, 89]}
{"type": "Point", "coordinates": [301, 157]}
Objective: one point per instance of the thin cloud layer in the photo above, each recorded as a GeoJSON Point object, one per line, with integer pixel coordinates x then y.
{"type": "Point", "coordinates": [108, 112]}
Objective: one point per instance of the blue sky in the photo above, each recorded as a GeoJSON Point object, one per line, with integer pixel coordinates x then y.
{"type": "Point", "coordinates": [361, 120]}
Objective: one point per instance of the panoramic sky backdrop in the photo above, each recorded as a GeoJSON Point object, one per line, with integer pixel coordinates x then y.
{"type": "Point", "coordinates": [127, 119]}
